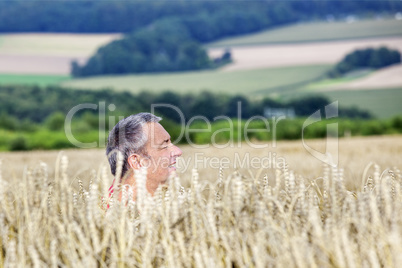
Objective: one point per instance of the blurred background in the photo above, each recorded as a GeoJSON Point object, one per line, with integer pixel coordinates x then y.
{"type": "Point", "coordinates": [275, 57]}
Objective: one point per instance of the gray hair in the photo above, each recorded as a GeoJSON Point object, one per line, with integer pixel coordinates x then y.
{"type": "Point", "coordinates": [127, 138]}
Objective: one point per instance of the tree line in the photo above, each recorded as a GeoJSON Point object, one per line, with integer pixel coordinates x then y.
{"type": "Point", "coordinates": [35, 104]}
{"type": "Point", "coordinates": [127, 16]}
{"type": "Point", "coordinates": [369, 58]}
{"type": "Point", "coordinates": [34, 118]}
{"type": "Point", "coordinates": [174, 43]}
{"type": "Point", "coordinates": [160, 49]}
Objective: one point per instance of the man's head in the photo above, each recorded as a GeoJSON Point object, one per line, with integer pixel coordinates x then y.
{"type": "Point", "coordinates": [142, 142]}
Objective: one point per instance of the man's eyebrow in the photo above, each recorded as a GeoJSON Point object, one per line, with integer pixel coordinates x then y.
{"type": "Point", "coordinates": [166, 140]}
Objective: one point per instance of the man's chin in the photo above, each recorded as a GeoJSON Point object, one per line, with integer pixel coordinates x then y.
{"type": "Point", "coordinates": [171, 174]}
{"type": "Point", "coordinates": [165, 181]}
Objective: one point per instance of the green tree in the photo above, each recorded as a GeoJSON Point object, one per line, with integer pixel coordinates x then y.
{"type": "Point", "coordinates": [366, 58]}
{"type": "Point", "coordinates": [55, 121]}
{"type": "Point", "coordinates": [306, 106]}
{"type": "Point", "coordinates": [8, 122]}
{"type": "Point", "coordinates": [18, 144]}
{"type": "Point", "coordinates": [146, 51]}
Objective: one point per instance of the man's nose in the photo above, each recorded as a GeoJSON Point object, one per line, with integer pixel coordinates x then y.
{"type": "Point", "coordinates": [176, 152]}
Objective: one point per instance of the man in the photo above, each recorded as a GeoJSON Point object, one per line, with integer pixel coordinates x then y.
{"type": "Point", "coordinates": [142, 142]}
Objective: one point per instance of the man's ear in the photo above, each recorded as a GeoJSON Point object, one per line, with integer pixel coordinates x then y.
{"type": "Point", "coordinates": [134, 161]}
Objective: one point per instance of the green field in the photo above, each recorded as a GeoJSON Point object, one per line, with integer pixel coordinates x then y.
{"type": "Point", "coordinates": [328, 82]}
{"type": "Point", "coordinates": [54, 44]}
{"type": "Point", "coordinates": [382, 103]}
{"type": "Point", "coordinates": [254, 82]}
{"type": "Point", "coordinates": [283, 83]}
{"type": "Point", "coordinates": [317, 31]}
{"type": "Point", "coordinates": [40, 80]}
{"type": "Point", "coordinates": [280, 83]}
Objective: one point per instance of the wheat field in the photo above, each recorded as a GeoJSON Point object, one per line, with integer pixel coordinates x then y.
{"type": "Point", "coordinates": [55, 215]}
{"type": "Point", "coordinates": [355, 154]}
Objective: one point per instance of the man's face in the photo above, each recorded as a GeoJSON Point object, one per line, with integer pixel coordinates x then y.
{"type": "Point", "coordinates": [162, 155]}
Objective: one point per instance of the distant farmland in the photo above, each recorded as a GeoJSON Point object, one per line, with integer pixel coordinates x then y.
{"type": "Point", "coordinates": [293, 68]}
{"type": "Point", "coordinates": [279, 83]}
{"type": "Point", "coordinates": [382, 103]}
{"type": "Point", "coordinates": [237, 82]}
{"type": "Point", "coordinates": [388, 77]}
{"type": "Point", "coordinates": [263, 56]}
{"type": "Point", "coordinates": [47, 54]}
{"type": "Point", "coordinates": [316, 32]}
{"type": "Point", "coordinates": [52, 53]}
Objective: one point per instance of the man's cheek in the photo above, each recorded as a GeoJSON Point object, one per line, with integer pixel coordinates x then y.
{"type": "Point", "coordinates": [145, 163]}
{"type": "Point", "coordinates": [164, 163]}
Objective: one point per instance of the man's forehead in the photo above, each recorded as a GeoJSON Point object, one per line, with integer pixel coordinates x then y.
{"type": "Point", "coordinates": [156, 133]}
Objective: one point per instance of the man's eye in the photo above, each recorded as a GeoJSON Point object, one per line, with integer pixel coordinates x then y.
{"type": "Point", "coordinates": [166, 146]}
